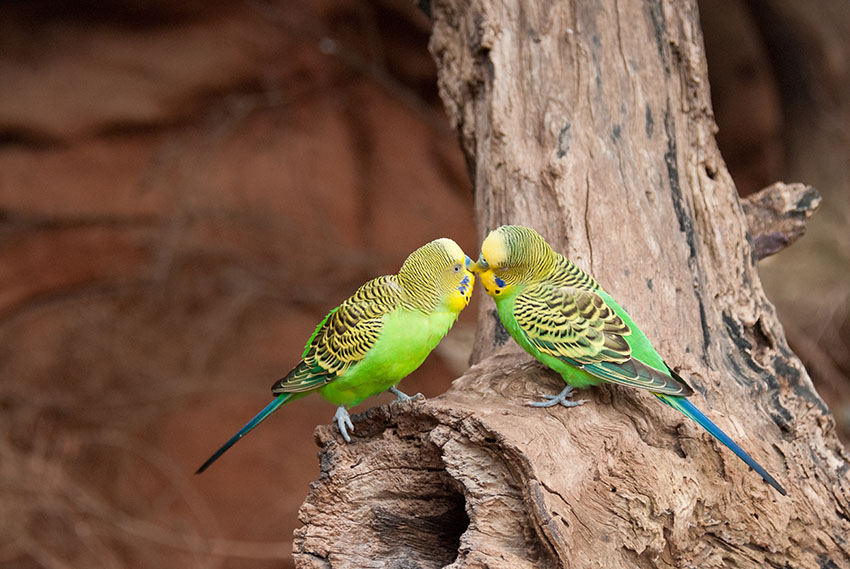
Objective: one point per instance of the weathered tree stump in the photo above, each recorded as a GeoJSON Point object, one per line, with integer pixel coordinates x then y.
{"type": "Point", "coordinates": [591, 122]}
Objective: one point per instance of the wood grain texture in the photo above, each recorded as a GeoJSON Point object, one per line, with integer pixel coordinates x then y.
{"type": "Point", "coordinates": [777, 215]}
{"type": "Point", "coordinates": [591, 122]}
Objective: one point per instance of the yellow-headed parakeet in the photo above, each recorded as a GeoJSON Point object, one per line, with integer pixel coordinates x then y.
{"type": "Point", "coordinates": [560, 315]}
{"type": "Point", "coordinates": [377, 336]}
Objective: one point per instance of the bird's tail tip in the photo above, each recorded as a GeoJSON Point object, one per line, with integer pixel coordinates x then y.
{"type": "Point", "coordinates": [691, 411]}
{"type": "Point", "coordinates": [249, 426]}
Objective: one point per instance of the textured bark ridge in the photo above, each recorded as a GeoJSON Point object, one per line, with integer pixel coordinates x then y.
{"type": "Point", "coordinates": [591, 122]}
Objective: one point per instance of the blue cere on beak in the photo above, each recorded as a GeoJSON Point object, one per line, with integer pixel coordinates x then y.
{"type": "Point", "coordinates": [467, 261]}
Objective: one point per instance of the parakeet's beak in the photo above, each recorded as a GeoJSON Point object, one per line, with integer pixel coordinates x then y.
{"type": "Point", "coordinates": [467, 261]}
{"type": "Point", "coordinates": [480, 266]}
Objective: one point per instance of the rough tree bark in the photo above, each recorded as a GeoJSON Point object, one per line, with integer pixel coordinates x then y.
{"type": "Point", "coordinates": [591, 121]}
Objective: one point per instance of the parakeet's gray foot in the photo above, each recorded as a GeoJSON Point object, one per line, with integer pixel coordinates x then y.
{"type": "Point", "coordinates": [402, 396]}
{"type": "Point", "coordinates": [342, 419]}
{"type": "Point", "coordinates": [552, 400]}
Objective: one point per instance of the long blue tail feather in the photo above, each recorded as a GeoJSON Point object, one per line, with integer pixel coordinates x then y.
{"type": "Point", "coordinates": [690, 411]}
{"type": "Point", "coordinates": [249, 426]}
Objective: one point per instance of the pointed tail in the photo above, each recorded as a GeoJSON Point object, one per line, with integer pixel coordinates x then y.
{"type": "Point", "coordinates": [690, 411]}
{"type": "Point", "coordinates": [268, 410]}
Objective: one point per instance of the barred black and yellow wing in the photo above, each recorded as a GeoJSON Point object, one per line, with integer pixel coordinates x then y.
{"type": "Point", "coordinates": [586, 329]}
{"type": "Point", "coordinates": [343, 337]}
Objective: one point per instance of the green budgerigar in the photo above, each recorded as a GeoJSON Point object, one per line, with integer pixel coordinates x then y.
{"type": "Point", "coordinates": [377, 336]}
{"type": "Point", "coordinates": [560, 315]}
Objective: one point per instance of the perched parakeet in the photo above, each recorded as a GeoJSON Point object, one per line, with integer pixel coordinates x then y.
{"type": "Point", "coordinates": [377, 336]}
{"type": "Point", "coordinates": [560, 315]}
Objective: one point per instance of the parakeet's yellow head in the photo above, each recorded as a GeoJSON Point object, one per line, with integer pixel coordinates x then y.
{"type": "Point", "coordinates": [512, 255]}
{"type": "Point", "coordinates": [438, 272]}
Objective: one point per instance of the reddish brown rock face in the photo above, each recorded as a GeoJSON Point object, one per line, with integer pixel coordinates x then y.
{"type": "Point", "coordinates": [185, 191]}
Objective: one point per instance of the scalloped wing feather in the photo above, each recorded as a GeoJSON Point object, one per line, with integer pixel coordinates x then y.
{"type": "Point", "coordinates": [344, 336]}
{"type": "Point", "coordinates": [571, 323]}
{"type": "Point", "coordinates": [581, 329]}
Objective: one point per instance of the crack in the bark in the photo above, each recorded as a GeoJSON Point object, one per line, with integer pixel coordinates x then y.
{"type": "Point", "coordinates": [620, 39]}
{"type": "Point", "coordinates": [566, 503]}
{"type": "Point", "coordinates": [686, 223]}
{"type": "Point", "coordinates": [391, 469]}
{"type": "Point", "coordinates": [323, 560]}
{"type": "Point", "coordinates": [587, 220]}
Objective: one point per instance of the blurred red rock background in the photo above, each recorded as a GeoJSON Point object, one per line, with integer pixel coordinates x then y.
{"type": "Point", "coordinates": [185, 189]}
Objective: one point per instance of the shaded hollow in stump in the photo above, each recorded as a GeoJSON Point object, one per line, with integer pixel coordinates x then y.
{"type": "Point", "coordinates": [433, 483]}
{"type": "Point", "coordinates": [592, 123]}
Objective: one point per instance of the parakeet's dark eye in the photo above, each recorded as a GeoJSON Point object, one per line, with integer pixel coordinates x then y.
{"type": "Point", "coordinates": [457, 268]}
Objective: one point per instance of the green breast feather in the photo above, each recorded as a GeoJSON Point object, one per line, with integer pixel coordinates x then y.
{"type": "Point", "coordinates": [406, 338]}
